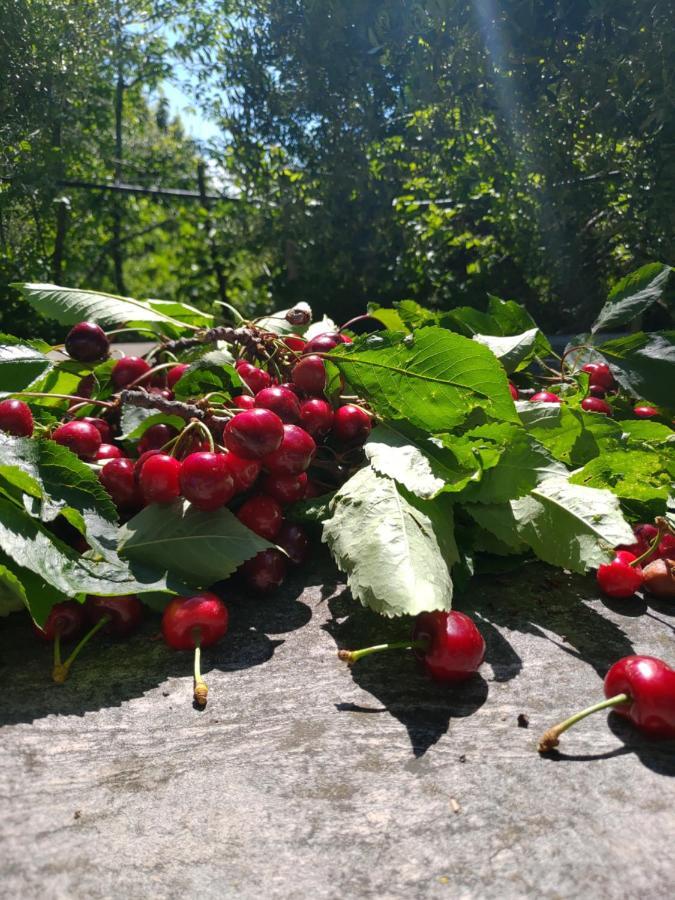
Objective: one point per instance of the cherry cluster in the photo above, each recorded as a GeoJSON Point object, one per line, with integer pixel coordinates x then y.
{"type": "Point", "coordinates": [625, 574]}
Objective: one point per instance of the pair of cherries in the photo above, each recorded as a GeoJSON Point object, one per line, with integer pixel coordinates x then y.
{"type": "Point", "coordinates": [624, 575]}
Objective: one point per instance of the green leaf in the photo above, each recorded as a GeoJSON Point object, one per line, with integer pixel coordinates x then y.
{"type": "Point", "coordinates": [643, 364]}
{"type": "Point", "coordinates": [182, 312]}
{"type": "Point", "coordinates": [71, 305]}
{"type": "Point", "coordinates": [212, 372]}
{"type": "Point", "coordinates": [201, 547]}
{"type": "Point", "coordinates": [646, 432]}
{"type": "Point", "coordinates": [434, 378]}
{"type": "Point", "coordinates": [514, 352]}
{"type": "Point", "coordinates": [414, 315]}
{"type": "Point", "coordinates": [632, 296]}
{"type": "Point", "coordinates": [396, 553]}
{"type": "Point", "coordinates": [138, 425]}
{"type": "Point", "coordinates": [12, 593]}
{"type": "Point", "coordinates": [570, 435]}
{"type": "Point", "coordinates": [314, 511]}
{"type": "Point", "coordinates": [390, 318]}
{"type": "Point", "coordinates": [20, 365]}
{"type": "Point", "coordinates": [632, 474]}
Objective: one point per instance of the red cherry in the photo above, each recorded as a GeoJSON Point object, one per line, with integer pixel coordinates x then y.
{"type": "Point", "coordinates": [666, 548]}
{"type": "Point", "coordinates": [455, 647]}
{"type": "Point", "coordinates": [188, 620]}
{"type": "Point", "coordinates": [596, 405]}
{"type": "Point", "coordinates": [323, 343]}
{"type": "Point", "coordinates": [244, 472]}
{"type": "Point", "coordinates": [285, 488]}
{"type": "Point", "coordinates": [244, 401]}
{"type": "Point", "coordinates": [600, 375]}
{"type": "Point", "coordinates": [205, 480]}
{"type": "Point", "coordinates": [263, 515]}
{"type": "Point", "coordinates": [66, 619]}
{"type": "Point", "coordinates": [294, 540]}
{"type": "Point", "coordinates": [87, 342]}
{"type": "Point", "coordinates": [176, 373]}
{"type": "Point", "coordinates": [645, 412]}
{"type": "Point", "coordinates": [161, 392]}
{"type": "Point", "coordinates": [254, 433]}
{"type": "Point", "coordinates": [16, 418]}
{"type": "Point", "coordinates": [281, 401]}
{"type": "Point", "coordinates": [266, 571]}
{"type": "Point", "coordinates": [159, 479]}
{"type": "Point", "coordinates": [128, 369]}
{"type": "Point", "coordinates": [257, 379]}
{"type": "Point", "coordinates": [295, 343]}
{"type": "Point", "coordinates": [117, 477]}
{"type": "Point", "coordinates": [650, 685]}
{"type": "Point", "coordinates": [156, 436]}
{"type": "Point", "coordinates": [316, 417]}
{"type": "Point", "coordinates": [351, 425]}
{"type": "Point", "coordinates": [293, 455]}
{"type": "Point", "coordinates": [103, 427]}
{"type": "Point", "coordinates": [108, 451]}
{"type": "Point", "coordinates": [545, 397]}
{"type": "Point", "coordinates": [125, 613]}
{"type": "Point", "coordinates": [619, 579]}
{"type": "Point", "coordinates": [597, 390]}
{"type": "Point", "coordinates": [85, 387]}
{"type": "Point", "coordinates": [513, 390]}
{"type": "Point", "coordinates": [310, 374]}
{"type": "Point", "coordinates": [82, 438]}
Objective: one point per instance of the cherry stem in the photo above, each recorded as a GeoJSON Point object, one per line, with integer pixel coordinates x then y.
{"type": "Point", "coordinates": [566, 354]}
{"type": "Point", "coordinates": [57, 651]}
{"type": "Point", "coordinates": [60, 672]}
{"type": "Point", "coordinates": [352, 656]}
{"type": "Point", "coordinates": [201, 689]}
{"type": "Point", "coordinates": [549, 740]}
{"type": "Point", "coordinates": [651, 548]}
{"type": "Point", "coordinates": [82, 400]}
{"type": "Point", "coordinates": [131, 330]}
{"type": "Point", "coordinates": [144, 377]}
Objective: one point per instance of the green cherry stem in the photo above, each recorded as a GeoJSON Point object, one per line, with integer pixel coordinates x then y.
{"type": "Point", "coordinates": [352, 656]}
{"type": "Point", "coordinates": [144, 377]}
{"type": "Point", "coordinates": [550, 739]}
{"type": "Point", "coordinates": [60, 671]}
{"type": "Point", "coordinates": [663, 530]}
{"type": "Point", "coordinates": [201, 689]}
{"type": "Point", "coordinates": [82, 400]}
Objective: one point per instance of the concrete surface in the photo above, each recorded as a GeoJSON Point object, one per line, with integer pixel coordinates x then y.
{"type": "Point", "coordinates": [303, 778]}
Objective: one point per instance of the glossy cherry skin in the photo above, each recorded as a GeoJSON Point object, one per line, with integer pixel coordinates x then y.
{"type": "Point", "coordinates": [87, 342]}
{"type": "Point", "coordinates": [600, 374]}
{"type": "Point", "coordinates": [188, 620]}
{"type": "Point", "coordinates": [619, 579]}
{"type": "Point", "coordinates": [351, 425]}
{"type": "Point", "coordinates": [156, 437]}
{"type": "Point", "coordinates": [281, 401]}
{"type": "Point", "coordinates": [103, 427]}
{"type": "Point", "coordinates": [244, 401]}
{"type": "Point", "coordinates": [118, 478]}
{"type": "Point", "coordinates": [596, 405]}
{"type": "Point", "coordinates": [597, 390]}
{"type": "Point", "coordinates": [244, 472]}
{"type": "Point", "coordinates": [263, 515]}
{"type": "Point", "coordinates": [257, 379]}
{"type": "Point", "coordinates": [455, 647]}
{"type": "Point", "coordinates": [324, 343]}
{"type": "Point", "coordinates": [295, 453]}
{"type": "Point", "coordinates": [645, 412]}
{"type": "Point", "coordinates": [159, 479]}
{"type": "Point", "coordinates": [85, 386]}
{"type": "Point", "coordinates": [205, 480]}
{"type": "Point", "coordinates": [295, 343]}
{"type": "Point", "coordinates": [294, 540]}
{"type": "Point", "coordinates": [66, 619]}
{"type": "Point", "coordinates": [285, 488]}
{"type": "Point", "coordinates": [16, 418]}
{"type": "Point", "coordinates": [650, 683]}
{"type": "Point", "coordinates": [176, 373]}
{"type": "Point", "coordinates": [316, 417]}
{"type": "Point", "coordinates": [545, 397]}
{"type": "Point", "coordinates": [125, 613]}
{"type": "Point", "coordinates": [266, 571]}
{"type": "Point", "coordinates": [254, 433]}
{"type": "Point", "coordinates": [666, 548]}
{"type": "Point", "coordinates": [82, 438]}
{"type": "Point", "coordinates": [108, 451]}
{"type": "Point", "coordinates": [310, 375]}
{"type": "Point", "coordinates": [128, 369]}
{"type": "Point", "coordinates": [513, 390]}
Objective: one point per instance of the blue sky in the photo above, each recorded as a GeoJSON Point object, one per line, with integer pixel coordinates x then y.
{"type": "Point", "coordinates": [194, 122]}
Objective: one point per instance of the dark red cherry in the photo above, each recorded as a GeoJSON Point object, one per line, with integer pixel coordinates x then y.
{"type": "Point", "coordinates": [82, 438]}
{"type": "Point", "coordinates": [117, 477]}
{"type": "Point", "coordinates": [294, 454]}
{"type": "Point", "coordinates": [316, 417]}
{"type": "Point", "coordinates": [156, 436]}
{"type": "Point", "coordinates": [351, 425]}
{"type": "Point", "coordinates": [257, 379]}
{"type": "Point", "coordinates": [513, 390]}
{"type": "Point", "coordinates": [310, 374]}
{"type": "Point", "coordinates": [200, 619]}
{"type": "Point", "coordinates": [596, 405]}
{"type": "Point", "coordinates": [281, 401]}
{"type": "Point", "coordinates": [600, 375]}
{"type": "Point", "coordinates": [285, 488]}
{"type": "Point", "coordinates": [454, 646]}
{"type": "Point", "coordinates": [295, 343]}
{"type": "Point", "coordinates": [16, 418]}
{"type": "Point", "coordinates": [545, 397]}
{"type": "Point", "coordinates": [643, 411]}
{"type": "Point", "coordinates": [128, 369]}
{"type": "Point", "coordinates": [104, 428]}
{"type": "Point", "coordinates": [66, 619]}
{"type": "Point", "coordinates": [244, 401]}
{"type": "Point", "coordinates": [243, 471]}
{"type": "Point", "coordinates": [159, 479]}
{"type": "Point", "coordinates": [85, 386]}
{"type": "Point", "coordinates": [87, 342]}
{"type": "Point", "coordinates": [263, 515]}
{"type": "Point", "coordinates": [254, 433]}
{"type": "Point", "coordinates": [597, 390]}
{"type": "Point", "coordinates": [294, 540]}
{"type": "Point", "coordinates": [125, 613]}
{"type": "Point", "coordinates": [266, 571]}
{"type": "Point", "coordinates": [323, 343]}
{"type": "Point", "coordinates": [176, 373]}
{"type": "Point", "coordinates": [108, 451]}
{"type": "Point", "coordinates": [205, 480]}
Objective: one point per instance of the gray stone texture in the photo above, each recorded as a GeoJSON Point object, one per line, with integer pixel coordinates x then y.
{"type": "Point", "coordinates": [303, 778]}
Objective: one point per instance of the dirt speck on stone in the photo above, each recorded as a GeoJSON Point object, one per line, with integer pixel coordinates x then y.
{"type": "Point", "coordinates": [523, 721]}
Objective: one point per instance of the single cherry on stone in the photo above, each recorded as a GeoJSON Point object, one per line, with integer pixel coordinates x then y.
{"type": "Point", "coordinates": [640, 688]}
{"type": "Point", "coordinates": [448, 644]}
{"type": "Point", "coordinates": [254, 433]}
{"type": "Point", "coordinates": [87, 342]}
{"type": "Point", "coordinates": [83, 438]}
{"type": "Point", "coordinates": [128, 369]}
{"type": "Point", "coordinates": [159, 479]}
{"type": "Point", "coordinates": [205, 480]}
{"type": "Point", "coordinates": [16, 418]}
{"type": "Point", "coordinates": [620, 578]}
{"type": "Point", "coordinates": [190, 623]}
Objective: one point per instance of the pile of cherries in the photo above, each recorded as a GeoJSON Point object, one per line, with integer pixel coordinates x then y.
{"type": "Point", "coordinates": [655, 546]}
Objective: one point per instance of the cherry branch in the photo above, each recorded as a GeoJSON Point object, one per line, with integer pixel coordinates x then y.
{"type": "Point", "coordinates": [187, 411]}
